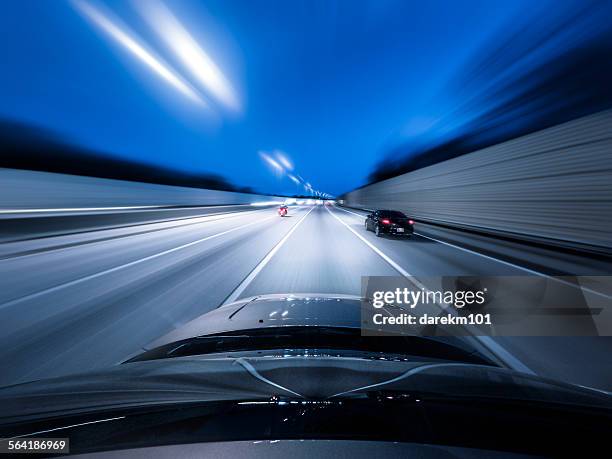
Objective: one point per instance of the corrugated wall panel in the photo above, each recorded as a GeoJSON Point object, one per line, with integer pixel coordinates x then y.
{"type": "Point", "coordinates": [555, 184]}
{"type": "Point", "coordinates": [21, 189]}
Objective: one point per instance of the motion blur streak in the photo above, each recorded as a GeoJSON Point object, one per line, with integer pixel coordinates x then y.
{"type": "Point", "coordinates": [266, 203]}
{"type": "Point", "coordinates": [282, 158]}
{"type": "Point", "coordinates": [541, 70]}
{"type": "Point", "coordinates": [280, 164]}
{"type": "Point", "coordinates": [115, 278]}
{"type": "Point", "coordinates": [276, 167]}
{"type": "Point", "coordinates": [130, 42]}
{"type": "Point", "coordinates": [187, 49]}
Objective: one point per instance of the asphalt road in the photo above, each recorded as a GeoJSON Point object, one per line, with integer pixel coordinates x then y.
{"type": "Point", "coordinates": [91, 299]}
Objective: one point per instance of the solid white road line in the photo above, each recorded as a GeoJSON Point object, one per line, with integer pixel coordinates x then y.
{"type": "Point", "coordinates": [127, 265]}
{"type": "Point", "coordinates": [396, 266]}
{"type": "Point", "coordinates": [530, 271]}
{"type": "Point", "coordinates": [486, 341]}
{"type": "Point", "coordinates": [507, 263]}
{"type": "Point", "coordinates": [245, 283]}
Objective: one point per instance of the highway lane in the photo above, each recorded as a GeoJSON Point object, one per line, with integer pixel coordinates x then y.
{"type": "Point", "coordinates": [79, 255]}
{"type": "Point", "coordinates": [320, 257]}
{"type": "Point", "coordinates": [34, 244]}
{"type": "Point", "coordinates": [89, 300]}
{"type": "Point", "coordinates": [26, 224]}
{"type": "Point", "coordinates": [92, 305]}
{"type": "Point", "coordinates": [581, 360]}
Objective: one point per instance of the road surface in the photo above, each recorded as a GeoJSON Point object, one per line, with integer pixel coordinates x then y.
{"type": "Point", "coordinates": [90, 299]}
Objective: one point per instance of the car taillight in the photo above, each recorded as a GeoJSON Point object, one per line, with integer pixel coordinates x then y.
{"type": "Point", "coordinates": [411, 222]}
{"type": "Point", "coordinates": [385, 221]}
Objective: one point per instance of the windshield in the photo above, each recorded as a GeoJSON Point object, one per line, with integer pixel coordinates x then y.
{"type": "Point", "coordinates": [391, 214]}
{"type": "Point", "coordinates": [350, 183]}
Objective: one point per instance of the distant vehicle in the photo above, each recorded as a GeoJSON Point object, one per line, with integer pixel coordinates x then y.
{"type": "Point", "coordinates": [282, 210]}
{"type": "Point", "coordinates": [389, 222]}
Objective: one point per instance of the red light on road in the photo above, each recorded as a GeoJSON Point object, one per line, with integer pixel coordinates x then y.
{"type": "Point", "coordinates": [385, 221]}
{"type": "Point", "coordinates": [411, 222]}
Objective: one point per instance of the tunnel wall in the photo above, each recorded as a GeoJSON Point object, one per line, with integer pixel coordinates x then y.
{"type": "Point", "coordinates": [554, 185]}
{"type": "Point", "coordinates": [21, 189]}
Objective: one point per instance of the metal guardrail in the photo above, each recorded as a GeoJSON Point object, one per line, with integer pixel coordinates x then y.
{"type": "Point", "coordinates": [554, 185]}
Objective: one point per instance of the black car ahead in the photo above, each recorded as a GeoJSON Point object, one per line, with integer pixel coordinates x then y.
{"type": "Point", "coordinates": [389, 222]}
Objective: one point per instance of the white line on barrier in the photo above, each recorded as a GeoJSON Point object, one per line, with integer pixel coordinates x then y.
{"type": "Point", "coordinates": [96, 209]}
{"type": "Point", "coordinates": [247, 280]}
{"type": "Point", "coordinates": [75, 209]}
{"type": "Point", "coordinates": [127, 265]}
{"type": "Point", "coordinates": [486, 341]}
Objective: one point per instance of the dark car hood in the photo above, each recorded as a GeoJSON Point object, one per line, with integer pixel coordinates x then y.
{"type": "Point", "coordinates": [188, 380]}
{"type": "Point", "coordinates": [245, 376]}
{"type": "Point", "coordinates": [293, 310]}
{"type": "Point", "coordinates": [272, 311]}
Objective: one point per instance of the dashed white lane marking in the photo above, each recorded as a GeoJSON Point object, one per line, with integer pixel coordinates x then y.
{"type": "Point", "coordinates": [127, 265]}
{"type": "Point", "coordinates": [245, 283]}
{"type": "Point", "coordinates": [505, 356]}
{"type": "Point", "coordinates": [118, 232]}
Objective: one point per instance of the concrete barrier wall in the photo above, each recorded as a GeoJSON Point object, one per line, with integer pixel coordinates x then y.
{"type": "Point", "coordinates": [554, 185]}
{"type": "Point", "coordinates": [35, 190]}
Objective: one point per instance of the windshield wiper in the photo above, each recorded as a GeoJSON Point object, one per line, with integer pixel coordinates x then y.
{"type": "Point", "coordinates": [308, 337]}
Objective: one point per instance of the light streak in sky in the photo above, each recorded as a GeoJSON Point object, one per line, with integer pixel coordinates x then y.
{"type": "Point", "coordinates": [189, 52]}
{"type": "Point", "coordinates": [129, 41]}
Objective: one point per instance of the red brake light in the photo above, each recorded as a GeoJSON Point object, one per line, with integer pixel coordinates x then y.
{"type": "Point", "coordinates": [385, 221]}
{"type": "Point", "coordinates": [411, 222]}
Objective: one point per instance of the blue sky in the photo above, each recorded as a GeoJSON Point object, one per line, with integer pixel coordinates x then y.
{"type": "Point", "coordinates": [332, 84]}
